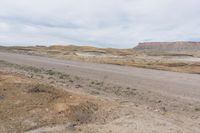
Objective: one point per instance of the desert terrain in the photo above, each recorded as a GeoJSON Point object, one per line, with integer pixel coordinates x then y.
{"type": "Point", "coordinates": [170, 56]}
{"type": "Point", "coordinates": [76, 89]}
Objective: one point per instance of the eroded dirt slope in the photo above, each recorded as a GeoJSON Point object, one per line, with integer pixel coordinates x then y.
{"type": "Point", "coordinates": [26, 105]}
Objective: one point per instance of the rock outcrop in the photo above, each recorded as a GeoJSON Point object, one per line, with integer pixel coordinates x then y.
{"type": "Point", "coordinates": [169, 46]}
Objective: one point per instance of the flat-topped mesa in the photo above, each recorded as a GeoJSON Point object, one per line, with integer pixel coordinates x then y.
{"type": "Point", "coordinates": [169, 46]}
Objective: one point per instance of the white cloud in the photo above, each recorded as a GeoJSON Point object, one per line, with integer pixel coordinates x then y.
{"type": "Point", "coordinates": [4, 27]}
{"type": "Point", "coordinates": [104, 23]}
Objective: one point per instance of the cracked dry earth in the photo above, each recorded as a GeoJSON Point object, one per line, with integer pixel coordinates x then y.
{"type": "Point", "coordinates": [36, 100]}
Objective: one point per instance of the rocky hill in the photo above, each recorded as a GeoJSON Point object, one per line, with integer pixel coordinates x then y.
{"type": "Point", "coordinates": [169, 46]}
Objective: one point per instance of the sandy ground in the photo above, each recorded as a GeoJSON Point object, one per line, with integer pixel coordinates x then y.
{"type": "Point", "coordinates": [40, 94]}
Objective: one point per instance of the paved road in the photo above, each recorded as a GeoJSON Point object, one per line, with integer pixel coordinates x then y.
{"type": "Point", "coordinates": [170, 83]}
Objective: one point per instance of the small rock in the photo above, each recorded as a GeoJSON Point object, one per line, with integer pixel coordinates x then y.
{"type": "Point", "coordinates": [2, 97]}
{"type": "Point", "coordinates": [136, 105]}
{"type": "Point", "coordinates": [71, 125]}
{"type": "Point", "coordinates": [163, 109]}
{"type": "Point", "coordinates": [159, 101]}
{"type": "Point", "coordinates": [78, 86]}
{"type": "Point", "coordinates": [197, 109]}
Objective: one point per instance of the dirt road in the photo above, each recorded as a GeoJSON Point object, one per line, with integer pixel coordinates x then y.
{"type": "Point", "coordinates": [175, 84]}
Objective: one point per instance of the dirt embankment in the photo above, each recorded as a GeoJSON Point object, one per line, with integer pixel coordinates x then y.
{"type": "Point", "coordinates": [27, 105]}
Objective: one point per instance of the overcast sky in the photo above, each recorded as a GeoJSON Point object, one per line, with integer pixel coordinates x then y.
{"type": "Point", "coordinates": [102, 23]}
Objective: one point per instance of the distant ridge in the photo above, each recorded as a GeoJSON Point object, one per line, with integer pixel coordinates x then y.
{"type": "Point", "coordinates": [169, 46]}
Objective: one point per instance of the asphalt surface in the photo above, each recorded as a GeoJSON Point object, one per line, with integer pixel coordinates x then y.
{"type": "Point", "coordinates": [183, 85]}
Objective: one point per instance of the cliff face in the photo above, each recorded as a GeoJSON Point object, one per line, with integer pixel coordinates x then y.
{"type": "Point", "coordinates": [169, 46]}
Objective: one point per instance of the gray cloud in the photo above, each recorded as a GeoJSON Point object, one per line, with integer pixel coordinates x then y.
{"type": "Point", "coordinates": [104, 23]}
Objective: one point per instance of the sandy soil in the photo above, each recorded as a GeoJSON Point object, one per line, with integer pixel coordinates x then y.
{"type": "Point", "coordinates": [50, 95]}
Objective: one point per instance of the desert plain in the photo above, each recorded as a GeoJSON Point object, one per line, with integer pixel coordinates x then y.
{"type": "Point", "coordinates": [152, 88]}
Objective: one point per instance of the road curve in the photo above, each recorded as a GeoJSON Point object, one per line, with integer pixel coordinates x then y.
{"type": "Point", "coordinates": [170, 83]}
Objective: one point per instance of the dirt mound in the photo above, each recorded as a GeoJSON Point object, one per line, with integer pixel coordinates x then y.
{"type": "Point", "coordinates": [27, 105]}
{"type": "Point", "coordinates": [169, 46]}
